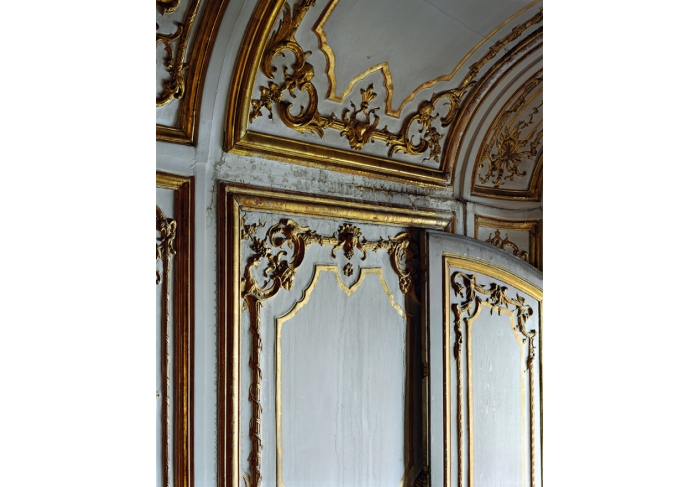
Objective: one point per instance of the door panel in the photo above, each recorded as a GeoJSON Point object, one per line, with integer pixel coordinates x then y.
{"type": "Point", "coordinates": [484, 334]}
{"type": "Point", "coordinates": [321, 341]}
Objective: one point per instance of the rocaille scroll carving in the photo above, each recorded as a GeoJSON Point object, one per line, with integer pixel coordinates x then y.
{"type": "Point", "coordinates": [282, 251]}
{"type": "Point", "coordinates": [511, 142]}
{"type": "Point", "coordinates": [504, 243]}
{"type": "Point", "coordinates": [358, 132]}
{"type": "Point", "coordinates": [164, 250]}
{"type": "Point", "coordinates": [495, 297]}
{"type": "Point", "coordinates": [173, 87]}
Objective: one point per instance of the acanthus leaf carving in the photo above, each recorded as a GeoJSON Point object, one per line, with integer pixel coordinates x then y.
{"type": "Point", "coordinates": [284, 247]}
{"type": "Point", "coordinates": [298, 78]}
{"type": "Point", "coordinates": [506, 146]}
{"type": "Point", "coordinates": [249, 231]}
{"type": "Point", "coordinates": [503, 243]}
{"type": "Point", "coordinates": [165, 248]}
{"type": "Point", "coordinates": [173, 87]}
{"type": "Point", "coordinates": [358, 132]}
{"type": "Point", "coordinates": [496, 297]}
{"type": "Point", "coordinates": [508, 154]}
{"type": "Point", "coordinates": [165, 245]}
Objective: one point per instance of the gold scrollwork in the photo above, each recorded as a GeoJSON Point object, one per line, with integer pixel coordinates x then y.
{"type": "Point", "coordinates": [164, 250]}
{"type": "Point", "coordinates": [383, 67]}
{"type": "Point", "coordinates": [503, 243]}
{"type": "Point", "coordinates": [166, 241]}
{"type": "Point", "coordinates": [280, 272]}
{"type": "Point", "coordinates": [357, 132]}
{"type": "Point", "coordinates": [174, 86]}
{"type": "Point", "coordinates": [249, 231]}
{"type": "Point", "coordinates": [167, 6]}
{"type": "Point", "coordinates": [495, 298]}
{"type": "Point", "coordinates": [298, 79]}
{"type": "Point", "coordinates": [504, 146]}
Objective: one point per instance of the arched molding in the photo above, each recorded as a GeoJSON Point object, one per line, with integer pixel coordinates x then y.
{"type": "Point", "coordinates": [193, 64]}
{"type": "Point", "coordinates": [403, 160]}
{"type": "Point", "coordinates": [476, 130]}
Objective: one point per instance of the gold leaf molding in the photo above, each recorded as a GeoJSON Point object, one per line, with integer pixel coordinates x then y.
{"type": "Point", "coordinates": [436, 144]}
{"type": "Point", "coordinates": [383, 67]}
{"type": "Point", "coordinates": [494, 297]}
{"type": "Point", "coordinates": [279, 273]}
{"type": "Point", "coordinates": [185, 81]}
{"type": "Point", "coordinates": [300, 75]}
{"type": "Point", "coordinates": [164, 249]}
{"type": "Point", "coordinates": [174, 86]}
{"type": "Point", "coordinates": [234, 232]}
{"type": "Point", "coordinates": [533, 254]}
{"type": "Point", "coordinates": [176, 329]}
{"type": "Point", "coordinates": [515, 134]}
{"type": "Point", "coordinates": [349, 291]}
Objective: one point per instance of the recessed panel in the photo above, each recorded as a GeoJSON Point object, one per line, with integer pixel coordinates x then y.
{"type": "Point", "coordinates": [342, 382]}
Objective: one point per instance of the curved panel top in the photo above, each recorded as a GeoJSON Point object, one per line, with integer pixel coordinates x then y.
{"type": "Point", "coordinates": [371, 89]}
{"type": "Point", "coordinates": [185, 31]}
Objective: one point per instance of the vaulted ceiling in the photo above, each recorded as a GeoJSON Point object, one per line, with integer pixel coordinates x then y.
{"type": "Point", "coordinates": [442, 93]}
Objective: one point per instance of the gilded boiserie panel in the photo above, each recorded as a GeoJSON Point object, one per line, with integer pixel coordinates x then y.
{"type": "Point", "coordinates": [496, 231]}
{"type": "Point", "coordinates": [173, 255]}
{"type": "Point", "coordinates": [509, 161]}
{"type": "Point", "coordinates": [504, 296]}
{"type": "Point", "coordinates": [187, 44]}
{"type": "Point", "coordinates": [276, 246]}
{"type": "Point", "coordinates": [422, 135]}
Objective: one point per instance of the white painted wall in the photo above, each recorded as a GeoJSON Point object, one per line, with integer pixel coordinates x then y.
{"type": "Point", "coordinates": [209, 164]}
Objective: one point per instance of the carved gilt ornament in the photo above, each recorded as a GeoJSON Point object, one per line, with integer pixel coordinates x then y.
{"type": "Point", "coordinates": [383, 67]}
{"type": "Point", "coordinates": [477, 296]}
{"type": "Point", "coordinates": [164, 250]}
{"type": "Point", "coordinates": [419, 134]}
{"type": "Point", "coordinates": [533, 251]}
{"type": "Point", "coordinates": [504, 243]}
{"type": "Point", "coordinates": [513, 140]}
{"type": "Point", "coordinates": [173, 87]}
{"type": "Point", "coordinates": [280, 252]}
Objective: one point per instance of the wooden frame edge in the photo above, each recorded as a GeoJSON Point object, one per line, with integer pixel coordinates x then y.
{"type": "Point", "coordinates": [533, 227]}
{"type": "Point", "coordinates": [232, 198]}
{"type": "Point", "coordinates": [188, 111]}
{"type": "Point", "coordinates": [183, 326]}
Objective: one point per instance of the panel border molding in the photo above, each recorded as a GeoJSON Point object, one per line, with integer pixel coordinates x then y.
{"type": "Point", "coordinates": [183, 329]}
{"type": "Point", "coordinates": [262, 43]}
{"type": "Point", "coordinates": [533, 227]}
{"type": "Point", "coordinates": [455, 265]}
{"type": "Point", "coordinates": [298, 306]}
{"type": "Point", "coordinates": [238, 290]}
{"type": "Point", "coordinates": [188, 113]}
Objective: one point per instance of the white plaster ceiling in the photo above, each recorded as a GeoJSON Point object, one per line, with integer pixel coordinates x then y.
{"type": "Point", "coordinates": [406, 49]}
{"type": "Point", "coordinates": [418, 39]}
